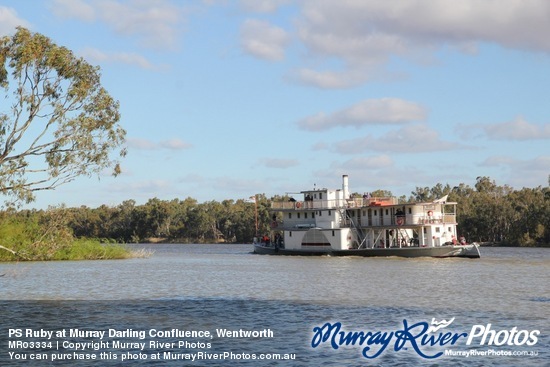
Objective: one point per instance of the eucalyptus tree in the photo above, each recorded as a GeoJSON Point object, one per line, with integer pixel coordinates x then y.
{"type": "Point", "coordinates": [242, 221]}
{"type": "Point", "coordinates": [57, 122]}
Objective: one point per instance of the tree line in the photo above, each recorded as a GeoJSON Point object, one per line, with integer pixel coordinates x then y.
{"type": "Point", "coordinates": [497, 214]}
{"type": "Point", "coordinates": [486, 212]}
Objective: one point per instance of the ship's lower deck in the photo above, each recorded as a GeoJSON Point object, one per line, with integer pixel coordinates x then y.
{"type": "Point", "coordinates": [381, 237]}
{"type": "Point", "coordinates": [468, 251]}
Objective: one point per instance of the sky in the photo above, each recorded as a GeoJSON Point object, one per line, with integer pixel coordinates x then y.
{"type": "Point", "coordinates": [226, 99]}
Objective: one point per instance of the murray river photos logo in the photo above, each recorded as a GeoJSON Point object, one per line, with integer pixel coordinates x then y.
{"type": "Point", "coordinates": [427, 340]}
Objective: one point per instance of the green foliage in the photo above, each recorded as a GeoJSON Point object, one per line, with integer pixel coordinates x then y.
{"type": "Point", "coordinates": [497, 214]}
{"type": "Point", "coordinates": [175, 220]}
{"type": "Point", "coordinates": [32, 237]}
{"type": "Point", "coordinates": [87, 249]}
{"type": "Point", "coordinates": [45, 235]}
{"type": "Point", "coordinates": [16, 234]}
{"type": "Point", "coordinates": [60, 122]}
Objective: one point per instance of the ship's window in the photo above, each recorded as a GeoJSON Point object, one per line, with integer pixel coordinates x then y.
{"type": "Point", "coordinates": [321, 195]}
{"type": "Point", "coordinates": [333, 233]}
{"type": "Point", "coordinates": [305, 215]}
{"type": "Point", "coordinates": [298, 215]}
{"type": "Point", "coordinates": [289, 215]}
{"type": "Point", "coordinates": [313, 215]}
{"type": "Point", "coordinates": [375, 212]}
{"type": "Point", "coordinates": [329, 213]}
{"type": "Point", "coordinates": [425, 231]}
{"type": "Point", "coordinates": [320, 213]}
{"type": "Point", "coordinates": [410, 210]}
{"type": "Point", "coordinates": [436, 229]}
{"type": "Point", "coordinates": [364, 213]}
{"type": "Point", "coordinates": [290, 234]}
{"type": "Point", "coordinates": [387, 212]}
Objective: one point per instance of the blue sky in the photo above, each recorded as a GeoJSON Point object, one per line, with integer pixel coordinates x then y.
{"type": "Point", "coordinates": [226, 99]}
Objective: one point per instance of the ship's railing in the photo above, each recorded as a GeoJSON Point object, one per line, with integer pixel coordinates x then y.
{"type": "Point", "coordinates": [301, 205]}
{"type": "Point", "coordinates": [292, 226]}
{"type": "Point", "coordinates": [447, 218]}
{"type": "Point", "coordinates": [348, 222]}
{"type": "Point", "coordinates": [379, 201]}
{"type": "Point", "coordinates": [425, 219]}
{"type": "Point", "coordinates": [334, 204]}
{"type": "Point", "coordinates": [393, 221]}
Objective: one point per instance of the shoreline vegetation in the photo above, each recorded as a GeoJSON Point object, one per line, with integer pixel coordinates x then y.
{"type": "Point", "coordinates": [489, 214]}
{"type": "Point", "coordinates": [79, 249]}
{"type": "Point", "coordinates": [48, 237]}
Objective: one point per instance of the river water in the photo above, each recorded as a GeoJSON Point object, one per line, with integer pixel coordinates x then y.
{"type": "Point", "coordinates": [289, 299]}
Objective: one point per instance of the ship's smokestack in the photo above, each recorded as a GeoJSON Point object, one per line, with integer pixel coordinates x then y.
{"type": "Point", "coordinates": [345, 186]}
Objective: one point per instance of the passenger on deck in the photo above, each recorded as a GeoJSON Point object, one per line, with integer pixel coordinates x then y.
{"type": "Point", "coordinates": [278, 240]}
{"type": "Point", "coordinates": [309, 201]}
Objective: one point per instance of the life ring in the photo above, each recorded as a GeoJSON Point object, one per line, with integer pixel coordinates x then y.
{"type": "Point", "coordinates": [430, 213]}
{"type": "Point", "coordinates": [400, 221]}
{"type": "Point", "coordinates": [298, 205]}
{"type": "Point", "coordinates": [274, 224]}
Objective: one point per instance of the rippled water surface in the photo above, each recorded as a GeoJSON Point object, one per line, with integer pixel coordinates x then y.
{"type": "Point", "coordinates": [225, 286]}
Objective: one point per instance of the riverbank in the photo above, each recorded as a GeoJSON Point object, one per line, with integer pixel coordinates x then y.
{"type": "Point", "coordinates": [46, 236]}
{"type": "Point", "coordinates": [79, 249]}
{"type": "Point", "coordinates": [501, 244]}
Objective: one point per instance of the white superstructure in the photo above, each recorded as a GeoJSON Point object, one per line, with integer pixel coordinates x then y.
{"type": "Point", "coordinates": [324, 220]}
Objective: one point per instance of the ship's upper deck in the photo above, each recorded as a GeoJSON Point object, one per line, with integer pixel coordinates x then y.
{"type": "Point", "coordinates": [323, 204]}
{"type": "Point", "coordinates": [370, 211]}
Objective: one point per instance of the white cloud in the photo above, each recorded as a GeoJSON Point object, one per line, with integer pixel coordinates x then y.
{"type": "Point", "coordinates": [518, 129]}
{"type": "Point", "coordinates": [365, 34]}
{"type": "Point", "coordinates": [174, 144]}
{"type": "Point", "coordinates": [141, 144]}
{"type": "Point", "coordinates": [263, 40]}
{"type": "Point", "coordinates": [262, 6]}
{"type": "Point", "coordinates": [146, 144]}
{"type": "Point", "coordinates": [368, 163]}
{"type": "Point", "coordinates": [77, 9]}
{"type": "Point", "coordinates": [279, 162]}
{"type": "Point", "coordinates": [366, 179]}
{"type": "Point", "coordinates": [94, 55]}
{"type": "Point", "coordinates": [153, 23]}
{"type": "Point", "coordinates": [330, 79]}
{"type": "Point", "coordinates": [9, 20]}
{"type": "Point", "coordinates": [522, 172]}
{"type": "Point", "coordinates": [408, 139]}
{"type": "Point", "coordinates": [367, 112]}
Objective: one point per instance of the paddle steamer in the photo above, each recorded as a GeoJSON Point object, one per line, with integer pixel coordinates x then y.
{"type": "Point", "coordinates": [331, 222]}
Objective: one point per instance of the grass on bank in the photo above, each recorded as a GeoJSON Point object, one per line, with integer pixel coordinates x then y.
{"type": "Point", "coordinates": [41, 239]}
